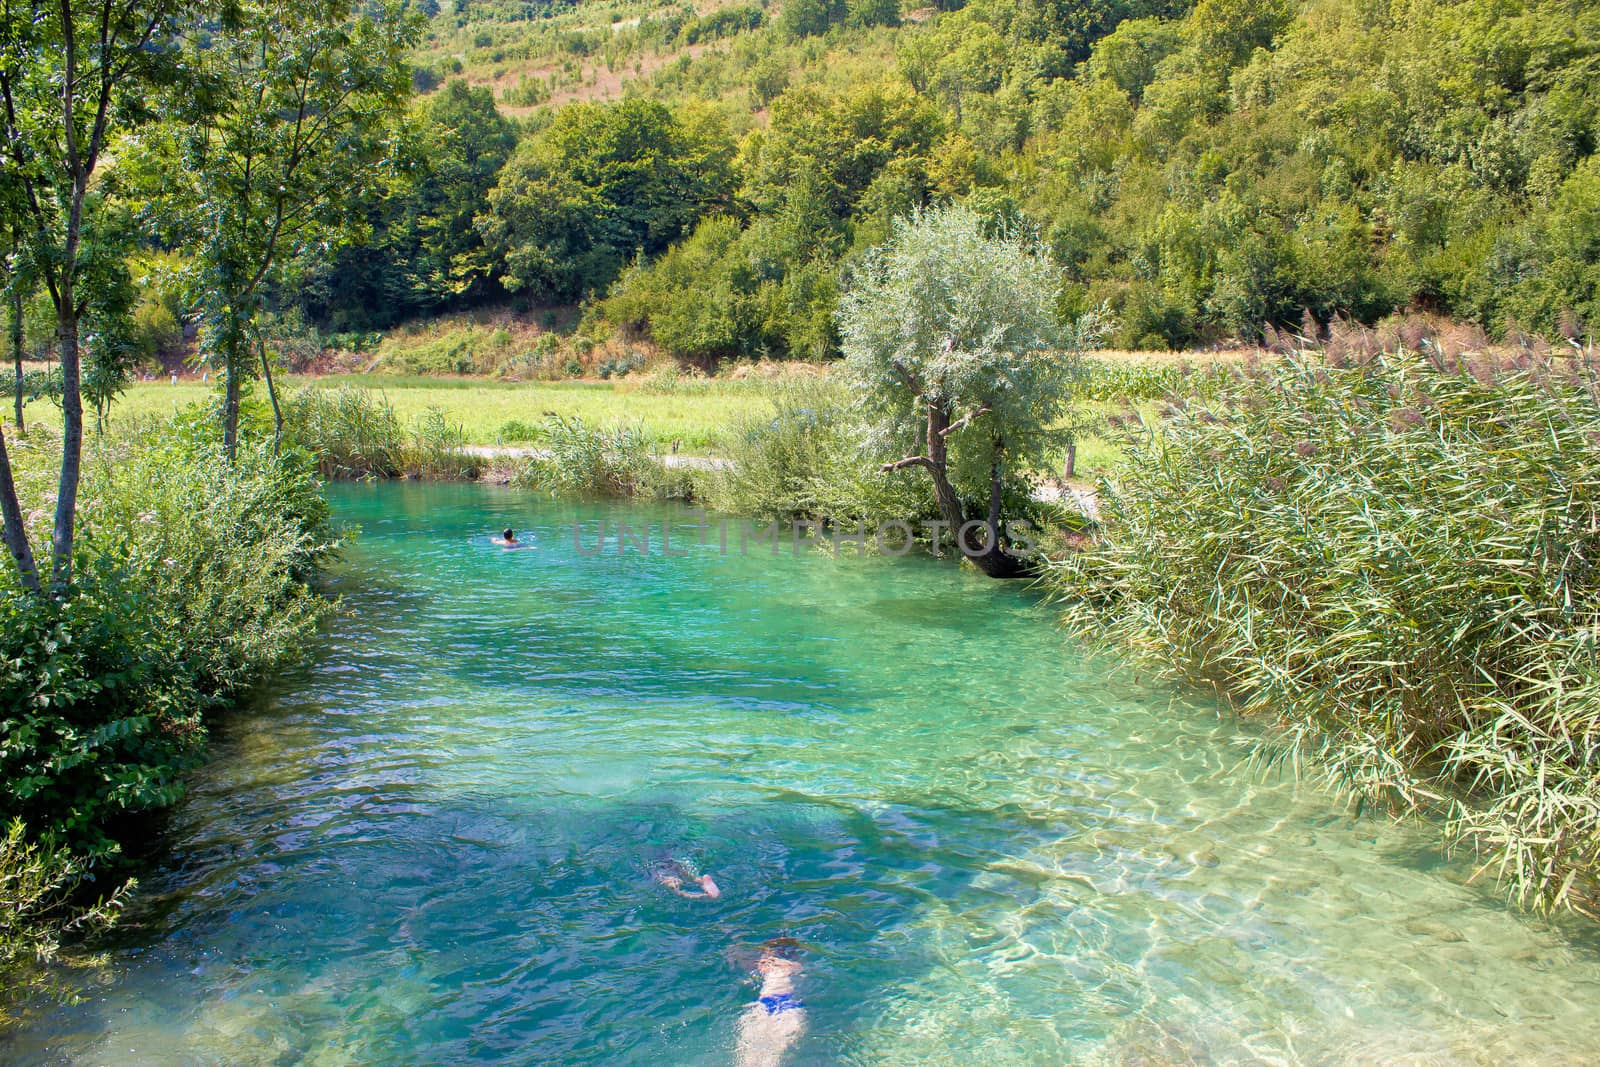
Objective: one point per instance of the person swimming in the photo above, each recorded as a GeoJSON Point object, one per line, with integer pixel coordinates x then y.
{"type": "Point", "coordinates": [768, 1027]}
{"type": "Point", "coordinates": [508, 539]}
{"type": "Point", "coordinates": [679, 876]}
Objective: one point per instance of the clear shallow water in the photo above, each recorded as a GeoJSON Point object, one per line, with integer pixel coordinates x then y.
{"type": "Point", "coordinates": [433, 846]}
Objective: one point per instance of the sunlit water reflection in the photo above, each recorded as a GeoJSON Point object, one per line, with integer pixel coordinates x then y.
{"type": "Point", "coordinates": [434, 845]}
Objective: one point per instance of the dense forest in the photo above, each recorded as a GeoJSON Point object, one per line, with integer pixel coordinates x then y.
{"type": "Point", "coordinates": [1205, 170]}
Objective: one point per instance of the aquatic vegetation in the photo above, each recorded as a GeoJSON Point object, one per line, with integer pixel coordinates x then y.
{"type": "Point", "coordinates": [1396, 563]}
{"type": "Point", "coordinates": [585, 460]}
{"type": "Point", "coordinates": [355, 433]}
{"type": "Point", "coordinates": [37, 887]}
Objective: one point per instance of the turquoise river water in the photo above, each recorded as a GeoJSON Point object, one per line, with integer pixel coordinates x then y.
{"type": "Point", "coordinates": [434, 844]}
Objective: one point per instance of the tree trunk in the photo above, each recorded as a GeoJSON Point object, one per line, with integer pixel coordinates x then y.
{"type": "Point", "coordinates": [16, 352]}
{"type": "Point", "coordinates": [16, 535]}
{"type": "Point", "coordinates": [950, 509]}
{"type": "Point", "coordinates": [991, 557]}
{"type": "Point", "coordinates": [61, 541]}
{"type": "Point", "coordinates": [1072, 460]}
{"type": "Point", "coordinates": [230, 405]}
{"type": "Point", "coordinates": [272, 394]}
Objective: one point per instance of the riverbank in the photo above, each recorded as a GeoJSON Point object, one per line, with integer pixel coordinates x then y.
{"type": "Point", "coordinates": [194, 581]}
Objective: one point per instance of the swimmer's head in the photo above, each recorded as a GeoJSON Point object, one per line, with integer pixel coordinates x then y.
{"type": "Point", "coordinates": [510, 534]}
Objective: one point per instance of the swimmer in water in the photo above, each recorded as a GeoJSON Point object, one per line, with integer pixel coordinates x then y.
{"type": "Point", "coordinates": [778, 1017]}
{"type": "Point", "coordinates": [508, 539]}
{"type": "Point", "coordinates": [679, 877]}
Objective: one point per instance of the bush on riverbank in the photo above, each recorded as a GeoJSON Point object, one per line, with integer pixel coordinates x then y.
{"type": "Point", "coordinates": [597, 461]}
{"type": "Point", "coordinates": [810, 458]}
{"type": "Point", "coordinates": [193, 583]}
{"type": "Point", "coordinates": [354, 433]}
{"type": "Point", "coordinates": [38, 887]}
{"type": "Point", "coordinates": [1399, 563]}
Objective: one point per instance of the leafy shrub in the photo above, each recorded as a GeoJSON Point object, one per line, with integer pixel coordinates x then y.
{"type": "Point", "coordinates": [101, 714]}
{"type": "Point", "coordinates": [1397, 563]}
{"type": "Point", "coordinates": [193, 583]}
{"type": "Point", "coordinates": [724, 22]}
{"type": "Point", "coordinates": [193, 586]}
{"type": "Point", "coordinates": [812, 458]}
{"type": "Point", "coordinates": [620, 367]}
{"type": "Point", "coordinates": [38, 887]}
{"type": "Point", "coordinates": [516, 430]}
{"type": "Point", "coordinates": [355, 433]}
{"type": "Point", "coordinates": [584, 460]}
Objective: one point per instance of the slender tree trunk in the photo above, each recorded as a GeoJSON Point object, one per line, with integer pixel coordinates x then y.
{"type": "Point", "coordinates": [61, 541]}
{"type": "Point", "coordinates": [16, 534]}
{"type": "Point", "coordinates": [1072, 459]}
{"type": "Point", "coordinates": [950, 509]}
{"type": "Point", "coordinates": [992, 557]}
{"type": "Point", "coordinates": [230, 403]}
{"type": "Point", "coordinates": [16, 352]}
{"type": "Point", "coordinates": [272, 394]}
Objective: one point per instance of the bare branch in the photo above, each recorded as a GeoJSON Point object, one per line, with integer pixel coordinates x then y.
{"type": "Point", "coordinates": [965, 421]}
{"type": "Point", "coordinates": [909, 461]}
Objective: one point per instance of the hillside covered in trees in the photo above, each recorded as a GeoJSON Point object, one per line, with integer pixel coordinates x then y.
{"type": "Point", "coordinates": [707, 176]}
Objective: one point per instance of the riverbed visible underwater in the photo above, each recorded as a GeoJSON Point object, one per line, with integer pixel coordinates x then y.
{"type": "Point", "coordinates": [435, 843]}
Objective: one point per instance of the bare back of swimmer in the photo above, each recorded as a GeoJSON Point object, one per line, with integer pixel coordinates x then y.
{"type": "Point", "coordinates": [508, 539]}
{"type": "Point", "coordinates": [770, 1026]}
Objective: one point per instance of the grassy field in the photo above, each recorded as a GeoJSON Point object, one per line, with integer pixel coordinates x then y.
{"type": "Point", "coordinates": [695, 412]}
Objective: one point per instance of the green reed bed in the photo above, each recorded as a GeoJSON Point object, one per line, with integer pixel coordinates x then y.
{"type": "Point", "coordinates": [355, 433]}
{"type": "Point", "coordinates": [583, 460]}
{"type": "Point", "coordinates": [1395, 563]}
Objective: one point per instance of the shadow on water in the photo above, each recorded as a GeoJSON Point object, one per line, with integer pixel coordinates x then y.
{"type": "Point", "coordinates": [389, 929]}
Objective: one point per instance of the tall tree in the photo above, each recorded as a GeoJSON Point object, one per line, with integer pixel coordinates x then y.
{"type": "Point", "coordinates": [288, 115]}
{"type": "Point", "coordinates": [603, 184]}
{"type": "Point", "coordinates": [953, 338]}
{"type": "Point", "coordinates": [422, 253]}
{"type": "Point", "coordinates": [72, 75]}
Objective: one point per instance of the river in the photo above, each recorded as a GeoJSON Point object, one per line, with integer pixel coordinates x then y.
{"type": "Point", "coordinates": [436, 842]}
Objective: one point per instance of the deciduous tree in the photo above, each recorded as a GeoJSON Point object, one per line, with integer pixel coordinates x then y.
{"type": "Point", "coordinates": [953, 338]}
{"type": "Point", "coordinates": [286, 115]}
{"type": "Point", "coordinates": [73, 75]}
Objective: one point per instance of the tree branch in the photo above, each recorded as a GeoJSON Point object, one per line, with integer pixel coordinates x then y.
{"type": "Point", "coordinates": [965, 421]}
{"type": "Point", "coordinates": [911, 380]}
{"type": "Point", "coordinates": [909, 461]}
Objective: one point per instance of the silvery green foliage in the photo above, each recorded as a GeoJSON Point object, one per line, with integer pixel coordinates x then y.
{"type": "Point", "coordinates": [948, 314]}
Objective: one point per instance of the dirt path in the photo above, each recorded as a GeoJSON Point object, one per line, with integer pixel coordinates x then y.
{"type": "Point", "coordinates": [494, 453]}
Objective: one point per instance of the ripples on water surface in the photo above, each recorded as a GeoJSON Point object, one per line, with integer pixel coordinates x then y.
{"type": "Point", "coordinates": [433, 845]}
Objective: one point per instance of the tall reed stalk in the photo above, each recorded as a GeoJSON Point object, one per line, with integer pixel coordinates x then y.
{"type": "Point", "coordinates": [1396, 564]}
{"type": "Point", "coordinates": [355, 433]}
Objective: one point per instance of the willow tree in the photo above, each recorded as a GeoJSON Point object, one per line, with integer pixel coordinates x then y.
{"type": "Point", "coordinates": [951, 334]}
{"type": "Point", "coordinates": [287, 115]}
